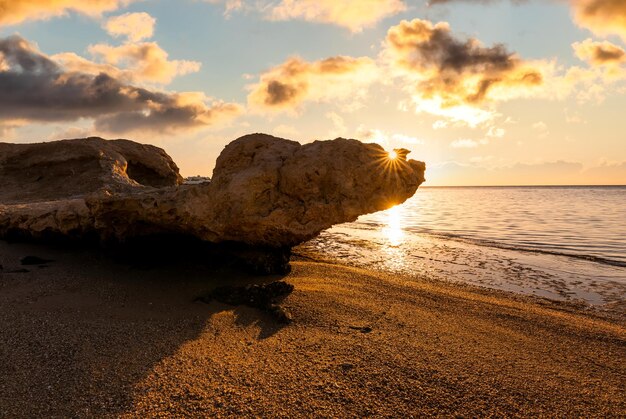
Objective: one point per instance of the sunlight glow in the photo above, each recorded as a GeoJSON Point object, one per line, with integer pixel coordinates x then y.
{"type": "Point", "coordinates": [470, 115]}
{"type": "Point", "coordinates": [393, 154]}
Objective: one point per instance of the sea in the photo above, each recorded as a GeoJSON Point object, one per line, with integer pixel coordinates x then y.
{"type": "Point", "coordinates": [557, 242]}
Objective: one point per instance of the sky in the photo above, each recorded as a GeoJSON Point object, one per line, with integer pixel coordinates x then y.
{"type": "Point", "coordinates": [486, 92]}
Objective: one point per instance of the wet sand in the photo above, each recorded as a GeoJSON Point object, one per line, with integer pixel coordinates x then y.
{"type": "Point", "coordinates": [557, 277]}
{"type": "Point", "coordinates": [86, 336]}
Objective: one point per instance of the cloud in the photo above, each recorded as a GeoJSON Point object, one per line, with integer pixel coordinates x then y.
{"type": "Point", "coordinates": [133, 61]}
{"type": "Point", "coordinates": [146, 61]}
{"type": "Point", "coordinates": [355, 15]}
{"type": "Point", "coordinates": [457, 79]}
{"type": "Point", "coordinates": [17, 11]}
{"type": "Point", "coordinates": [133, 26]}
{"type": "Point", "coordinates": [73, 62]}
{"type": "Point", "coordinates": [352, 14]}
{"type": "Point", "coordinates": [287, 86]}
{"type": "Point", "coordinates": [590, 84]}
{"type": "Point", "coordinates": [599, 53]}
{"type": "Point", "coordinates": [602, 17]}
{"type": "Point", "coordinates": [178, 111]}
{"type": "Point", "coordinates": [36, 88]}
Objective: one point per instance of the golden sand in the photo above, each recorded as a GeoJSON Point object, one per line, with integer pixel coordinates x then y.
{"type": "Point", "coordinates": [87, 337]}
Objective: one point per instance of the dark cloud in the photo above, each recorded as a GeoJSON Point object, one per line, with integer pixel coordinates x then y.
{"type": "Point", "coordinates": [36, 88]}
{"type": "Point", "coordinates": [168, 117]}
{"type": "Point", "coordinates": [608, 54]}
{"type": "Point", "coordinates": [288, 85]}
{"type": "Point", "coordinates": [456, 71]}
{"type": "Point", "coordinates": [278, 93]}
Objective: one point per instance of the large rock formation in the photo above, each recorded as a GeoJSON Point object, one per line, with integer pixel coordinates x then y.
{"type": "Point", "coordinates": [265, 192]}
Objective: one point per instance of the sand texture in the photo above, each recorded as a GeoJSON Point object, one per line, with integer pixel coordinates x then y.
{"type": "Point", "coordinates": [85, 336]}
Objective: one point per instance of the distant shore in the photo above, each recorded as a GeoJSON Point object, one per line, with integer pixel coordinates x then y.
{"type": "Point", "coordinates": [84, 336]}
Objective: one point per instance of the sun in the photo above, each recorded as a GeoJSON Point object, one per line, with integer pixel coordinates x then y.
{"type": "Point", "coordinates": [391, 161]}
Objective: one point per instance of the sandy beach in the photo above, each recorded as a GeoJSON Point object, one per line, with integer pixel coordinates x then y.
{"type": "Point", "coordinates": [85, 336]}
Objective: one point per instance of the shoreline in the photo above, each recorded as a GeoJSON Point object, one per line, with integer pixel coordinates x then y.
{"type": "Point", "coordinates": [576, 281]}
{"type": "Point", "coordinates": [86, 336]}
{"type": "Point", "coordinates": [581, 307]}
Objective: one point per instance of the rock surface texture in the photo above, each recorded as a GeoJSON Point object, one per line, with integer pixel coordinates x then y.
{"type": "Point", "coordinates": [265, 191]}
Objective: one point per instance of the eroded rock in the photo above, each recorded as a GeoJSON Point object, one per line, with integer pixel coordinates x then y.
{"type": "Point", "coordinates": [75, 168]}
{"type": "Point", "coordinates": [265, 192]}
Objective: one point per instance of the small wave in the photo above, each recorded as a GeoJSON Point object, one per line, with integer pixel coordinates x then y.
{"type": "Point", "coordinates": [500, 245]}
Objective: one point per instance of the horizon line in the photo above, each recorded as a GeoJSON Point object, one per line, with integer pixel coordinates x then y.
{"type": "Point", "coordinates": [528, 186]}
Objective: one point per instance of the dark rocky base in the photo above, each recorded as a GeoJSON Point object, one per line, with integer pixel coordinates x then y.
{"type": "Point", "coordinates": [164, 249]}
{"type": "Point", "coordinates": [168, 249]}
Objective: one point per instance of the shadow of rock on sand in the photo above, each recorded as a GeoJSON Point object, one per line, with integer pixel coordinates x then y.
{"type": "Point", "coordinates": [77, 336]}
{"type": "Point", "coordinates": [246, 316]}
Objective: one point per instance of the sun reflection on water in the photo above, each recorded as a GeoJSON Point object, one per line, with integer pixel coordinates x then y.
{"type": "Point", "coordinates": [393, 231]}
{"type": "Point", "coordinates": [394, 236]}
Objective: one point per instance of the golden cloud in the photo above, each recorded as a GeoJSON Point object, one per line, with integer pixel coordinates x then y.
{"type": "Point", "coordinates": [73, 62]}
{"type": "Point", "coordinates": [145, 61]}
{"type": "Point", "coordinates": [454, 78]}
{"type": "Point", "coordinates": [290, 84]}
{"type": "Point", "coordinates": [602, 17]}
{"type": "Point", "coordinates": [17, 11]}
{"type": "Point", "coordinates": [599, 53]}
{"type": "Point", "coordinates": [133, 26]}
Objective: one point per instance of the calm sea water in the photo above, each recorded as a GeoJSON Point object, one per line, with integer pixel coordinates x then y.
{"type": "Point", "coordinates": [556, 242]}
{"type": "Point", "coordinates": [587, 222]}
